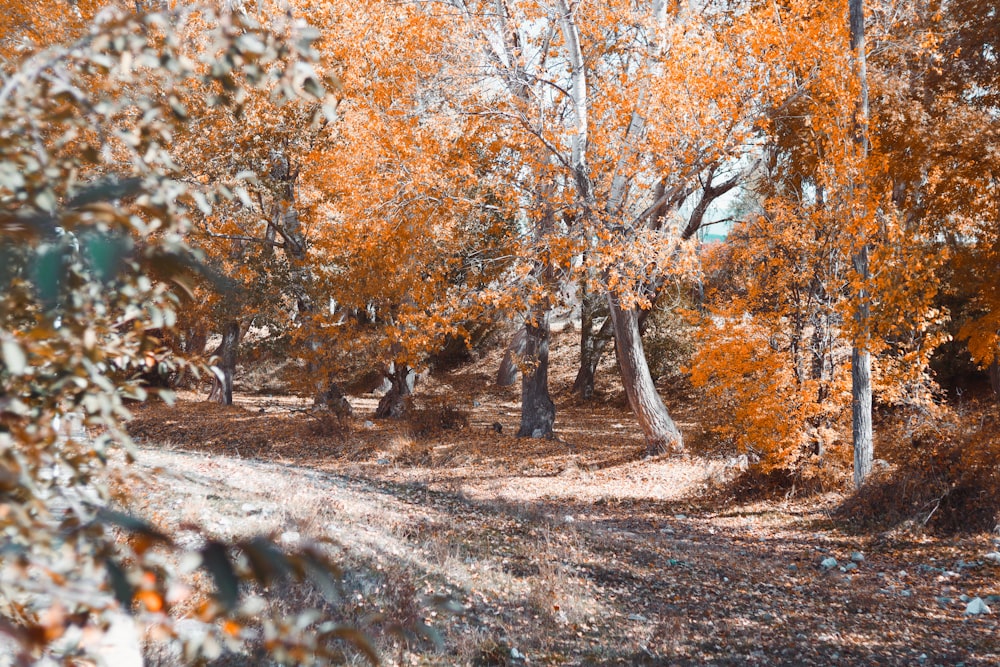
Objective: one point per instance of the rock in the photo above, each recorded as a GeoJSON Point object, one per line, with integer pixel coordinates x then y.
{"type": "Point", "coordinates": [858, 557]}
{"type": "Point", "coordinates": [976, 606]}
{"type": "Point", "coordinates": [368, 424]}
{"type": "Point", "coordinates": [828, 563]}
{"type": "Point", "coordinates": [850, 566]}
{"type": "Point", "coordinates": [680, 517]}
{"type": "Point", "coordinates": [638, 617]}
{"type": "Point", "coordinates": [569, 518]}
{"type": "Point", "coordinates": [993, 556]}
{"type": "Point", "coordinates": [476, 404]}
{"type": "Point", "coordinates": [793, 568]}
{"type": "Point", "coordinates": [517, 655]}
{"type": "Point", "coordinates": [382, 462]}
{"type": "Point", "coordinates": [963, 598]}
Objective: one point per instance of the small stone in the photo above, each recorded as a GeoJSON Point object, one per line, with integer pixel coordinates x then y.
{"type": "Point", "coordinates": [850, 566]}
{"type": "Point", "coordinates": [638, 617]}
{"type": "Point", "coordinates": [906, 593]}
{"type": "Point", "coordinates": [569, 518]}
{"type": "Point", "coordinates": [858, 557]}
{"type": "Point", "coordinates": [922, 658]}
{"type": "Point", "coordinates": [828, 563]}
{"type": "Point", "coordinates": [680, 517]}
{"type": "Point", "coordinates": [993, 556]}
{"type": "Point", "coordinates": [963, 598]}
{"type": "Point", "coordinates": [976, 606]}
{"type": "Point", "coordinates": [368, 424]}
{"type": "Point", "coordinates": [382, 462]}
{"type": "Point", "coordinates": [667, 531]}
{"type": "Point", "coordinates": [537, 433]}
{"type": "Point", "coordinates": [476, 404]}
{"type": "Point", "coordinates": [516, 655]}
{"type": "Point", "coordinates": [793, 568]}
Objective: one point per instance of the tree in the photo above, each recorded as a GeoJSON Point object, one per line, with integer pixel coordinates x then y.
{"type": "Point", "coordinates": [795, 283]}
{"type": "Point", "coordinates": [861, 381]}
{"type": "Point", "coordinates": [621, 124]}
{"type": "Point", "coordinates": [92, 217]}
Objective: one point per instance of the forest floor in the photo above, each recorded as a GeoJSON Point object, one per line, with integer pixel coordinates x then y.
{"type": "Point", "coordinates": [571, 551]}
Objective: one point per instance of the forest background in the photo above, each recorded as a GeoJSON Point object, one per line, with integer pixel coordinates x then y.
{"type": "Point", "coordinates": [371, 192]}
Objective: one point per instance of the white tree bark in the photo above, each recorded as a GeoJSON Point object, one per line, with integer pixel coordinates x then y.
{"type": "Point", "coordinates": [861, 380]}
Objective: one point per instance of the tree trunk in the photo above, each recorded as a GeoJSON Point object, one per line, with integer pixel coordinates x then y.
{"type": "Point", "coordinates": [222, 384]}
{"type": "Point", "coordinates": [995, 377]}
{"type": "Point", "coordinates": [662, 434]}
{"type": "Point", "coordinates": [592, 344]}
{"type": "Point", "coordinates": [396, 402]}
{"type": "Point", "coordinates": [861, 375]}
{"type": "Point", "coordinates": [507, 373]}
{"type": "Point", "coordinates": [538, 412]}
{"type": "Point", "coordinates": [861, 414]}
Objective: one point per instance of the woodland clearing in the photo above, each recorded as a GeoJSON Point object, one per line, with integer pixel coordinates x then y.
{"type": "Point", "coordinates": [573, 551]}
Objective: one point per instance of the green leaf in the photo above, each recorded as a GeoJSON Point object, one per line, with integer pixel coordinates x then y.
{"type": "Point", "coordinates": [267, 561]}
{"type": "Point", "coordinates": [215, 559]}
{"type": "Point", "coordinates": [355, 638]}
{"type": "Point", "coordinates": [322, 573]}
{"type": "Point", "coordinates": [131, 524]}
{"type": "Point", "coordinates": [106, 255]}
{"type": "Point", "coordinates": [105, 191]}
{"type": "Point", "coordinates": [47, 274]}
{"type": "Point", "coordinates": [123, 590]}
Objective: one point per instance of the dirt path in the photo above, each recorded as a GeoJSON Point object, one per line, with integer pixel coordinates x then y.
{"type": "Point", "coordinates": [589, 565]}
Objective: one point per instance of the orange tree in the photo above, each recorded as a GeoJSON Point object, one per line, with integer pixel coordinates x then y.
{"type": "Point", "coordinates": [615, 113]}
{"type": "Point", "coordinates": [92, 217]}
{"type": "Point", "coordinates": [406, 229]}
{"type": "Point", "coordinates": [353, 227]}
{"type": "Point", "coordinates": [801, 288]}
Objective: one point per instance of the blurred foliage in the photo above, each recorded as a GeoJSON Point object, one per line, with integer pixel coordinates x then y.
{"type": "Point", "coordinates": [92, 260]}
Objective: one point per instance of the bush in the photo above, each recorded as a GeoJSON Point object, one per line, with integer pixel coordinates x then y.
{"type": "Point", "coordinates": [944, 477]}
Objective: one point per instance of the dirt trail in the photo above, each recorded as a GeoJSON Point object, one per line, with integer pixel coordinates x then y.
{"type": "Point", "coordinates": [579, 566]}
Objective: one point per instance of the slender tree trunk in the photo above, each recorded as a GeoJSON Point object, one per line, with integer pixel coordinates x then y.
{"type": "Point", "coordinates": [861, 376]}
{"type": "Point", "coordinates": [661, 433]}
{"type": "Point", "coordinates": [507, 373]}
{"type": "Point", "coordinates": [592, 343]}
{"type": "Point", "coordinates": [995, 377]}
{"type": "Point", "coordinates": [396, 402]}
{"type": "Point", "coordinates": [222, 385]}
{"type": "Point", "coordinates": [538, 412]}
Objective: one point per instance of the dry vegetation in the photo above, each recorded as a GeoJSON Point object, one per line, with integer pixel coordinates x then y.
{"type": "Point", "coordinates": [566, 551]}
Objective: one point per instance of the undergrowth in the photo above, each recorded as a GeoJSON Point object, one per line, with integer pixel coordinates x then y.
{"type": "Point", "coordinates": [942, 477]}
